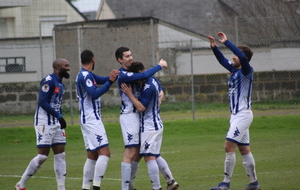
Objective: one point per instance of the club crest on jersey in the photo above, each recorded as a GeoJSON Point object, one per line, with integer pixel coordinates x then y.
{"type": "Point", "coordinates": [89, 83]}
{"type": "Point", "coordinates": [45, 88]}
{"type": "Point", "coordinates": [56, 90]}
{"type": "Point", "coordinates": [129, 73]}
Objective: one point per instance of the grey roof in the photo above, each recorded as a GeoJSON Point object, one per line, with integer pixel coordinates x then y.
{"type": "Point", "coordinates": [245, 21]}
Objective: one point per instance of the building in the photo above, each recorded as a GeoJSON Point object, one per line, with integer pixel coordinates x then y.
{"type": "Point", "coordinates": [26, 44]}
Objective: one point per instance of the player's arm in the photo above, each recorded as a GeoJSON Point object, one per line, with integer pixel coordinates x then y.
{"type": "Point", "coordinates": [126, 76]}
{"type": "Point", "coordinates": [95, 92]}
{"type": "Point", "coordinates": [46, 89]}
{"type": "Point", "coordinates": [246, 68]}
{"type": "Point", "coordinates": [102, 80]}
{"type": "Point", "coordinates": [44, 97]}
{"type": "Point", "coordinates": [219, 55]}
{"type": "Point", "coordinates": [128, 91]}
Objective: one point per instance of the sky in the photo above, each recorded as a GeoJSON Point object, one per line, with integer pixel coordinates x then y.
{"type": "Point", "coordinates": [87, 5]}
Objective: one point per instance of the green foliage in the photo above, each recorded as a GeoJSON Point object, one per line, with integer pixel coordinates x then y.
{"type": "Point", "coordinates": [193, 150]}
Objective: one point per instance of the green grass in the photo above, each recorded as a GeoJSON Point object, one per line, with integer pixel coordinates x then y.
{"type": "Point", "coordinates": [193, 150]}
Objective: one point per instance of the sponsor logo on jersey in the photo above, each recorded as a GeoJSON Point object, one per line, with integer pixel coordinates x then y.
{"type": "Point", "coordinates": [56, 90]}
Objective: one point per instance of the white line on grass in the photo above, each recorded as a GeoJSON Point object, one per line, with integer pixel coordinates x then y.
{"type": "Point", "coordinates": [44, 177]}
{"type": "Point", "coordinates": [114, 179]}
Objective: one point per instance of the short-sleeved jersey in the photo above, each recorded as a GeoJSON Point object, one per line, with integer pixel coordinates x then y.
{"type": "Point", "coordinates": [240, 81]}
{"type": "Point", "coordinates": [150, 118]}
{"type": "Point", "coordinates": [50, 100]}
{"type": "Point", "coordinates": [89, 95]}
{"type": "Point", "coordinates": [130, 78]}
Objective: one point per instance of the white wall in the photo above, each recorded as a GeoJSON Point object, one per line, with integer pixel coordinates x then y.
{"type": "Point", "coordinates": [204, 62]}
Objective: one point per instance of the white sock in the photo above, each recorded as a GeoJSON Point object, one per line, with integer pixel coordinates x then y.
{"type": "Point", "coordinates": [100, 168]}
{"type": "Point", "coordinates": [88, 173]}
{"type": "Point", "coordinates": [60, 170]}
{"type": "Point", "coordinates": [32, 168]}
{"type": "Point", "coordinates": [249, 165]}
{"type": "Point", "coordinates": [164, 169]}
{"type": "Point", "coordinates": [153, 172]}
{"type": "Point", "coordinates": [229, 166]}
{"type": "Point", "coordinates": [134, 168]}
{"type": "Point", "coordinates": [125, 172]}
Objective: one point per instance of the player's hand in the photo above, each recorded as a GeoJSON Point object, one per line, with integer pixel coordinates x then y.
{"type": "Point", "coordinates": [113, 75]}
{"type": "Point", "coordinates": [126, 88]}
{"type": "Point", "coordinates": [212, 41]}
{"type": "Point", "coordinates": [63, 123]}
{"type": "Point", "coordinates": [223, 37]}
{"type": "Point", "coordinates": [163, 64]}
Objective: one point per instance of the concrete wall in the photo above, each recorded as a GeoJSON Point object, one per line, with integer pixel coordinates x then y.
{"type": "Point", "coordinates": [21, 98]}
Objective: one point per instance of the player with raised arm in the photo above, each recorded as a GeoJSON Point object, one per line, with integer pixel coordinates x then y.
{"type": "Point", "coordinates": [240, 88]}
{"type": "Point", "coordinates": [151, 127]}
{"type": "Point", "coordinates": [129, 119]}
{"type": "Point", "coordinates": [93, 131]}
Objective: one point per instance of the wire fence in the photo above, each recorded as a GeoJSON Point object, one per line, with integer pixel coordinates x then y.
{"type": "Point", "coordinates": [193, 77]}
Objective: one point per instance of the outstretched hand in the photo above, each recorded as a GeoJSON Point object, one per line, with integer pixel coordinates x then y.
{"type": "Point", "coordinates": [223, 37]}
{"type": "Point", "coordinates": [212, 41]}
{"type": "Point", "coordinates": [163, 64]}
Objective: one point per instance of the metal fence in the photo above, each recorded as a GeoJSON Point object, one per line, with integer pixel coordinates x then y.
{"type": "Point", "coordinates": [194, 76]}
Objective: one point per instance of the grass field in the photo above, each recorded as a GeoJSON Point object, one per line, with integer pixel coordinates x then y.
{"type": "Point", "coordinates": [193, 150]}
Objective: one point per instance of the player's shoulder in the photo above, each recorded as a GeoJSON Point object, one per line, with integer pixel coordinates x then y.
{"type": "Point", "coordinates": [48, 79]}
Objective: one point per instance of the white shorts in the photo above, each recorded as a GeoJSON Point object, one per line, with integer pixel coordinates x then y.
{"type": "Point", "coordinates": [151, 142]}
{"type": "Point", "coordinates": [49, 135]}
{"type": "Point", "coordinates": [130, 126]}
{"type": "Point", "coordinates": [94, 135]}
{"type": "Point", "coordinates": [239, 127]}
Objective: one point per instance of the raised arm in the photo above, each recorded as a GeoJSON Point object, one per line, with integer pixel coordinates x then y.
{"type": "Point", "coordinates": [125, 76]}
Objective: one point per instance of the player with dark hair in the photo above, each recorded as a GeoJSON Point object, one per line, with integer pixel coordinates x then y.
{"type": "Point", "coordinates": [151, 127]}
{"type": "Point", "coordinates": [129, 120]}
{"type": "Point", "coordinates": [93, 131]}
{"type": "Point", "coordinates": [240, 88]}
{"type": "Point", "coordinates": [49, 125]}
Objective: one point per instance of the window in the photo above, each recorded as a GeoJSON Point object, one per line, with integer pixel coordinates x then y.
{"type": "Point", "coordinates": [48, 22]}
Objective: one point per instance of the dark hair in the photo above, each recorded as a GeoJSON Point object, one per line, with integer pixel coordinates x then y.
{"type": "Point", "coordinates": [86, 56]}
{"type": "Point", "coordinates": [136, 67]}
{"type": "Point", "coordinates": [119, 52]}
{"type": "Point", "coordinates": [247, 51]}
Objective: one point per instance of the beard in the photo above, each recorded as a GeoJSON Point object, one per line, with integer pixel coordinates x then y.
{"type": "Point", "coordinates": [64, 73]}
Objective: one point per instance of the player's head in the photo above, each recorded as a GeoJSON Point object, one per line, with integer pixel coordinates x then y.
{"type": "Point", "coordinates": [136, 67]}
{"type": "Point", "coordinates": [247, 51]}
{"type": "Point", "coordinates": [61, 68]}
{"type": "Point", "coordinates": [124, 56]}
{"type": "Point", "coordinates": [87, 57]}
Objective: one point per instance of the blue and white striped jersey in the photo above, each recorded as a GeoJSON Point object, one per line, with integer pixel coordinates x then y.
{"type": "Point", "coordinates": [89, 95]}
{"type": "Point", "coordinates": [130, 78]}
{"type": "Point", "coordinates": [240, 81]}
{"type": "Point", "coordinates": [50, 100]}
{"type": "Point", "coordinates": [150, 118]}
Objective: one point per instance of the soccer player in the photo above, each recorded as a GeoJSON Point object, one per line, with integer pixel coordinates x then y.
{"type": "Point", "coordinates": [93, 131]}
{"type": "Point", "coordinates": [49, 125]}
{"type": "Point", "coordinates": [240, 88]}
{"type": "Point", "coordinates": [151, 125]}
{"type": "Point", "coordinates": [129, 119]}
